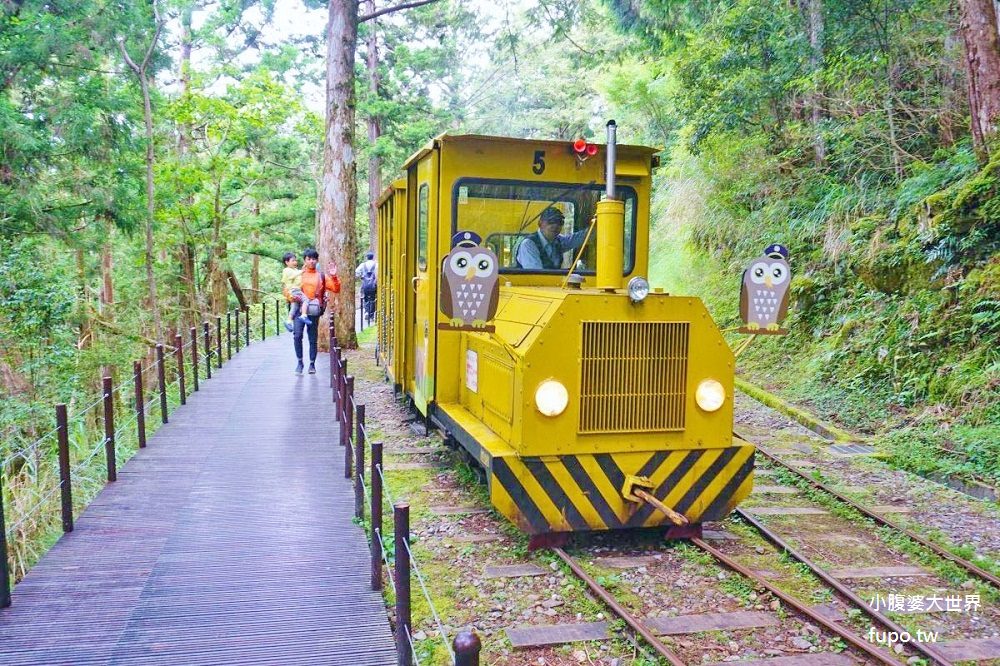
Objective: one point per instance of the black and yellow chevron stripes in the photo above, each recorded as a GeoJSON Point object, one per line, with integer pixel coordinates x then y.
{"type": "Point", "coordinates": [584, 492]}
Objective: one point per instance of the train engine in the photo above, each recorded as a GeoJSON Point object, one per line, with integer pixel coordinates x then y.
{"type": "Point", "coordinates": [515, 312]}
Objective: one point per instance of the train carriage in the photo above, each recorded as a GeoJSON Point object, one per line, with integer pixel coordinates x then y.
{"type": "Point", "coordinates": [591, 401]}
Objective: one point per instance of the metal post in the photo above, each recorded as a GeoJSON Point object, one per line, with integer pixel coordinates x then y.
{"type": "Point", "coordinates": [179, 357]}
{"type": "Point", "coordinates": [246, 326]}
{"type": "Point", "coordinates": [194, 355]}
{"type": "Point", "coordinates": [65, 483]}
{"type": "Point", "coordinates": [4, 570]}
{"type": "Point", "coordinates": [401, 518]}
{"type": "Point", "coordinates": [218, 341]}
{"type": "Point", "coordinates": [229, 335]}
{"type": "Point", "coordinates": [359, 463]}
{"type": "Point", "coordinates": [376, 494]}
{"type": "Point", "coordinates": [348, 426]}
{"type": "Point", "coordinates": [236, 327]}
{"type": "Point", "coordinates": [109, 429]}
{"type": "Point", "coordinates": [333, 346]}
{"type": "Point", "coordinates": [467, 646]}
{"type": "Point", "coordinates": [208, 351]}
{"type": "Point", "coordinates": [140, 404]}
{"type": "Point", "coordinates": [162, 376]}
{"type": "Point", "coordinates": [277, 317]}
{"type": "Point", "coordinates": [334, 377]}
{"type": "Point", "coordinates": [342, 402]}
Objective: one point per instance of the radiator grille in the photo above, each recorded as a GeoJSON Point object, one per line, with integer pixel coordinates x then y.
{"type": "Point", "coordinates": [634, 376]}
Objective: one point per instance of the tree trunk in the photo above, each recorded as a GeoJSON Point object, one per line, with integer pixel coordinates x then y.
{"type": "Point", "coordinates": [85, 334]}
{"type": "Point", "coordinates": [154, 305]}
{"type": "Point", "coordinates": [140, 71]}
{"type": "Point", "coordinates": [374, 132]}
{"type": "Point", "coordinates": [978, 26]}
{"type": "Point", "coordinates": [336, 234]}
{"type": "Point", "coordinates": [217, 279]}
{"type": "Point", "coordinates": [255, 262]}
{"type": "Point", "coordinates": [191, 312]}
{"type": "Point", "coordinates": [107, 274]}
{"type": "Point", "coordinates": [816, 64]}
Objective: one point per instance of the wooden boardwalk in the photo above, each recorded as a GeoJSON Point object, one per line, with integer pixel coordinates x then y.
{"type": "Point", "coordinates": [227, 541]}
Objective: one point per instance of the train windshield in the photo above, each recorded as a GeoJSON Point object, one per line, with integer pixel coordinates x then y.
{"type": "Point", "coordinates": [539, 227]}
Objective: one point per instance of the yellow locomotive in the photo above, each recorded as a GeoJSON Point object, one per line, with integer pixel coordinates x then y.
{"type": "Point", "coordinates": [591, 401]}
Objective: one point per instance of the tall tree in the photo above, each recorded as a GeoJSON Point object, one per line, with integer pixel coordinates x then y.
{"type": "Point", "coordinates": [374, 122]}
{"type": "Point", "coordinates": [141, 70]}
{"type": "Point", "coordinates": [337, 235]}
{"type": "Point", "coordinates": [982, 64]}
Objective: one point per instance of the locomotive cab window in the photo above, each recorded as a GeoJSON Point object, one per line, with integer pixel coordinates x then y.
{"type": "Point", "coordinates": [538, 227]}
{"type": "Point", "coordinates": [422, 222]}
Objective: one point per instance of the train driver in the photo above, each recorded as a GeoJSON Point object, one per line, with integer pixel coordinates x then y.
{"type": "Point", "coordinates": [544, 249]}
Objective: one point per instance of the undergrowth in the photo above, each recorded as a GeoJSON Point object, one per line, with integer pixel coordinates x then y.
{"type": "Point", "coordinates": [894, 312]}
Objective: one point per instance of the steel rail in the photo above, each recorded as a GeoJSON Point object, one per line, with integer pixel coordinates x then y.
{"type": "Point", "coordinates": [885, 522]}
{"type": "Point", "coordinates": [857, 641]}
{"type": "Point", "coordinates": [618, 609]}
{"type": "Point", "coordinates": [931, 653]}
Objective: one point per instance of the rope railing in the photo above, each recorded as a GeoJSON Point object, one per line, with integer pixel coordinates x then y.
{"type": "Point", "coordinates": [162, 394]}
{"type": "Point", "coordinates": [25, 451]}
{"type": "Point", "coordinates": [427, 596]}
{"type": "Point", "coordinates": [93, 454]}
{"type": "Point", "coordinates": [31, 512]}
{"type": "Point", "coordinates": [354, 434]}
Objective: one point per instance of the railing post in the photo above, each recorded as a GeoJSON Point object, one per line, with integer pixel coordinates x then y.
{"type": "Point", "coordinates": [246, 326]}
{"type": "Point", "coordinates": [179, 357]}
{"type": "Point", "coordinates": [229, 335]}
{"type": "Point", "coordinates": [359, 463]}
{"type": "Point", "coordinates": [65, 483]}
{"type": "Point", "coordinates": [4, 570]}
{"type": "Point", "coordinates": [348, 427]}
{"type": "Point", "coordinates": [467, 646]}
{"type": "Point", "coordinates": [218, 341]}
{"type": "Point", "coordinates": [376, 495]}
{"type": "Point", "coordinates": [194, 355]}
{"type": "Point", "coordinates": [333, 346]}
{"type": "Point", "coordinates": [140, 404]}
{"type": "Point", "coordinates": [208, 351]}
{"type": "Point", "coordinates": [342, 401]}
{"type": "Point", "coordinates": [334, 375]}
{"type": "Point", "coordinates": [277, 317]}
{"type": "Point", "coordinates": [401, 518]}
{"type": "Point", "coordinates": [236, 328]}
{"type": "Point", "coordinates": [161, 375]}
{"type": "Point", "coordinates": [109, 429]}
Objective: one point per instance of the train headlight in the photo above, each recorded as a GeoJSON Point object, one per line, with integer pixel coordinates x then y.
{"type": "Point", "coordinates": [638, 289]}
{"type": "Point", "coordinates": [551, 398]}
{"type": "Point", "coordinates": [710, 395]}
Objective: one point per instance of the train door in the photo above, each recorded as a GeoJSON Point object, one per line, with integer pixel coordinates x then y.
{"type": "Point", "coordinates": [424, 282]}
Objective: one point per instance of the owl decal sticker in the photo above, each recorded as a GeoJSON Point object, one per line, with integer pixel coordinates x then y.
{"type": "Point", "coordinates": [470, 285]}
{"type": "Point", "coordinates": [764, 292]}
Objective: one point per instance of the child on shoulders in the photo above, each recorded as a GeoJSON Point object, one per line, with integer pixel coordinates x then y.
{"type": "Point", "coordinates": [291, 284]}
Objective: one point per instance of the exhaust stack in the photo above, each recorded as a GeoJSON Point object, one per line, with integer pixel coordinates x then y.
{"type": "Point", "coordinates": [610, 224]}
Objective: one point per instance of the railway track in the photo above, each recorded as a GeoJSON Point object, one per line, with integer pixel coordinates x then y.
{"type": "Point", "coordinates": [868, 652]}
{"type": "Point", "coordinates": [927, 652]}
{"type": "Point", "coordinates": [965, 564]}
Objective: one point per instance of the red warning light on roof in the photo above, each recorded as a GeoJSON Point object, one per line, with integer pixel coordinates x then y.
{"type": "Point", "coordinates": [579, 146]}
{"type": "Point", "coordinates": [591, 149]}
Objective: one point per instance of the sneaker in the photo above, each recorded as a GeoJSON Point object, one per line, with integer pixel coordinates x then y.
{"type": "Point", "coordinates": [312, 368]}
{"type": "Point", "coordinates": [289, 326]}
{"type": "Point", "coordinates": [298, 368]}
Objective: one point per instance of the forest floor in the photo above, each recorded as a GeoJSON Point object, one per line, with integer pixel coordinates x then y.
{"type": "Point", "coordinates": [456, 536]}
